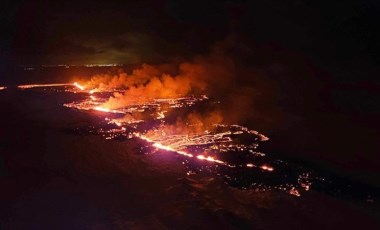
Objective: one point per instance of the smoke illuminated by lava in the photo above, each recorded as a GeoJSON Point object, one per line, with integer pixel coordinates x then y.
{"type": "Point", "coordinates": [168, 109]}
{"type": "Point", "coordinates": [194, 123]}
{"type": "Point", "coordinates": [156, 97]}
{"type": "Point", "coordinates": [190, 126]}
{"type": "Point", "coordinates": [121, 80]}
{"type": "Point", "coordinates": [210, 73]}
{"type": "Point", "coordinates": [192, 110]}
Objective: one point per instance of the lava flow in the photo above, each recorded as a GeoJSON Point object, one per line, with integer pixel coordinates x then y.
{"type": "Point", "coordinates": [200, 139]}
{"type": "Point", "coordinates": [177, 142]}
{"type": "Point", "coordinates": [178, 125]}
{"type": "Point", "coordinates": [43, 85]}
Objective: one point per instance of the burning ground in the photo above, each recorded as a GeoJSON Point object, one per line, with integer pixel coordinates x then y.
{"type": "Point", "coordinates": [143, 146]}
{"type": "Point", "coordinates": [66, 174]}
{"type": "Point", "coordinates": [160, 111]}
{"type": "Point", "coordinates": [170, 114]}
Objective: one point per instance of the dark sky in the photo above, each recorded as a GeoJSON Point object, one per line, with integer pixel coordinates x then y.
{"type": "Point", "coordinates": [110, 31]}
{"type": "Point", "coordinates": [75, 32]}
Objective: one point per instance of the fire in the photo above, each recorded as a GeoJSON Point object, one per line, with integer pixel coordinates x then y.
{"type": "Point", "coordinates": [171, 113]}
{"type": "Point", "coordinates": [118, 124]}
{"type": "Point", "coordinates": [199, 130]}
{"type": "Point", "coordinates": [171, 149]}
{"type": "Point", "coordinates": [201, 157]}
{"type": "Point", "coordinates": [78, 86]}
{"type": "Point", "coordinates": [293, 191]}
{"type": "Point", "coordinates": [250, 165]}
{"type": "Point", "coordinates": [43, 85]}
{"type": "Point", "coordinates": [211, 159]}
{"type": "Point", "coordinates": [101, 109]}
{"type": "Point", "coordinates": [163, 147]}
{"type": "Point", "coordinates": [106, 110]}
{"type": "Point", "coordinates": [267, 168]}
{"type": "Point", "coordinates": [160, 115]}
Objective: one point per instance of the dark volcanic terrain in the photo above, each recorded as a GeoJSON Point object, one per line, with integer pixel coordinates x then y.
{"type": "Point", "coordinates": [52, 179]}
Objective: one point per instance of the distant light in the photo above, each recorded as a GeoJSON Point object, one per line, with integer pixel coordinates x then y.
{"type": "Point", "coordinates": [249, 165]}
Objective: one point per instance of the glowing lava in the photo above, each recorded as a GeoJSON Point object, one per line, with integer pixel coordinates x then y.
{"type": "Point", "coordinates": [267, 168]}
{"type": "Point", "coordinates": [250, 165]}
{"type": "Point", "coordinates": [211, 159]}
{"type": "Point", "coordinates": [78, 86]}
{"type": "Point", "coordinates": [106, 110]}
{"type": "Point", "coordinates": [225, 146]}
{"type": "Point", "coordinates": [2, 87]}
{"type": "Point", "coordinates": [161, 146]}
{"type": "Point", "coordinates": [43, 85]}
{"type": "Point", "coordinates": [101, 109]}
{"type": "Point", "coordinates": [173, 143]}
{"type": "Point", "coordinates": [171, 149]}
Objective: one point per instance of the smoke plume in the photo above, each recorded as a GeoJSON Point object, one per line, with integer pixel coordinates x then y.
{"type": "Point", "coordinates": [193, 123]}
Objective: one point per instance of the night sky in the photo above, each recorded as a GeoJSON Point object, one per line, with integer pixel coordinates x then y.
{"type": "Point", "coordinates": [77, 32]}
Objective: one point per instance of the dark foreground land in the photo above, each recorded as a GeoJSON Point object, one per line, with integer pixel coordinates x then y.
{"type": "Point", "coordinates": [54, 180]}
